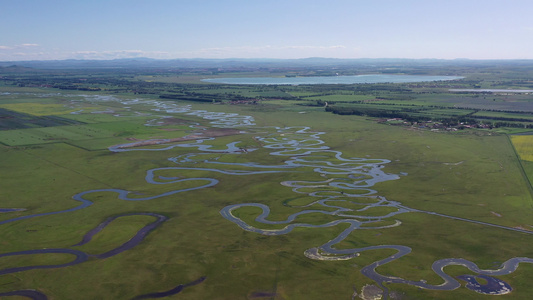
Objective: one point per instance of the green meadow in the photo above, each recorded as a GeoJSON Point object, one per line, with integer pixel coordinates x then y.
{"type": "Point", "coordinates": [473, 174]}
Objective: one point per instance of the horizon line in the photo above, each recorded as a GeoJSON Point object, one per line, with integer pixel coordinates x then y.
{"type": "Point", "coordinates": [263, 58]}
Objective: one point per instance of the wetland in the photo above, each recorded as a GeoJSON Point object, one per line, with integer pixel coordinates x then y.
{"type": "Point", "coordinates": [135, 196]}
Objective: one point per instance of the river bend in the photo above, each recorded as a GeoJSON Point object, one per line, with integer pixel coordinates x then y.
{"type": "Point", "coordinates": [345, 181]}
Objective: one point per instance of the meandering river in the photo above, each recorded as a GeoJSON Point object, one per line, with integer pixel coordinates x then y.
{"type": "Point", "coordinates": [347, 182]}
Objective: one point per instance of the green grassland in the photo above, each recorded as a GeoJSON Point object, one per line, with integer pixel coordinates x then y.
{"type": "Point", "coordinates": [470, 174]}
{"type": "Point", "coordinates": [38, 109]}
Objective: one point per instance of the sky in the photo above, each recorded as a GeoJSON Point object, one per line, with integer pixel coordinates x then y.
{"type": "Point", "coordinates": [168, 29]}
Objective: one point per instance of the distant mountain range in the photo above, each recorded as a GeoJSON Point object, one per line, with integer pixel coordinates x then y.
{"type": "Point", "coordinates": [241, 63]}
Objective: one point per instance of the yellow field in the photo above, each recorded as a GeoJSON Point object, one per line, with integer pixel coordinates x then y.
{"type": "Point", "coordinates": [38, 109]}
{"type": "Point", "coordinates": [524, 146]}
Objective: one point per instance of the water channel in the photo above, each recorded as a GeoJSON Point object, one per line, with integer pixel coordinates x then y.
{"type": "Point", "coordinates": [346, 180]}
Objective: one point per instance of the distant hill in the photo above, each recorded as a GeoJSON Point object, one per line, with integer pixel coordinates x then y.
{"type": "Point", "coordinates": [134, 63]}
{"type": "Point", "coordinates": [14, 69]}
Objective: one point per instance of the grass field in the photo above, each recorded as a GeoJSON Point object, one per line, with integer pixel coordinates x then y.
{"type": "Point", "coordinates": [464, 174]}
{"type": "Point", "coordinates": [39, 109]}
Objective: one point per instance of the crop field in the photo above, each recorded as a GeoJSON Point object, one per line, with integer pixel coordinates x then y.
{"type": "Point", "coordinates": [141, 196]}
{"type": "Point", "coordinates": [12, 120]}
{"type": "Point", "coordinates": [524, 146]}
{"type": "Point", "coordinates": [510, 116]}
{"type": "Point", "coordinates": [447, 112]}
{"type": "Point", "coordinates": [341, 98]}
{"type": "Point", "coordinates": [490, 102]}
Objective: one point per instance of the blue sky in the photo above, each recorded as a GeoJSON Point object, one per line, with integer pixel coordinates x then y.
{"type": "Point", "coordinates": [109, 29]}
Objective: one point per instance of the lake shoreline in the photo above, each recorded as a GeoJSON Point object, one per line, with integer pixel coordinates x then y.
{"type": "Point", "coordinates": [353, 79]}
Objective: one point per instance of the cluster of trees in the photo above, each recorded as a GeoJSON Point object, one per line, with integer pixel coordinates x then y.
{"type": "Point", "coordinates": [414, 115]}
{"type": "Point", "coordinates": [511, 124]}
{"type": "Point", "coordinates": [377, 113]}
{"type": "Point", "coordinates": [78, 88]}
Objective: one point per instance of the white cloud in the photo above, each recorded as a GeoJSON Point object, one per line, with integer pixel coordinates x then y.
{"type": "Point", "coordinates": [36, 52]}
{"type": "Point", "coordinates": [315, 47]}
{"type": "Point", "coordinates": [118, 54]}
{"type": "Point", "coordinates": [15, 52]}
{"type": "Point", "coordinates": [18, 46]}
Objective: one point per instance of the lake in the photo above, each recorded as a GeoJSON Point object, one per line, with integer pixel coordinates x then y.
{"type": "Point", "coordinates": [355, 79]}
